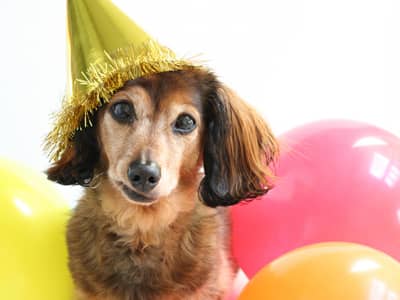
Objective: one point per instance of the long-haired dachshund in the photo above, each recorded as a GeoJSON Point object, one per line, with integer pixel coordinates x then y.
{"type": "Point", "coordinates": [163, 154]}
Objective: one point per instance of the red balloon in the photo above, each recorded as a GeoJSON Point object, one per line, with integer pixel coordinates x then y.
{"type": "Point", "coordinates": [336, 181]}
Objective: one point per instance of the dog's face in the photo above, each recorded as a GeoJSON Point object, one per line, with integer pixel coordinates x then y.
{"type": "Point", "coordinates": [155, 134]}
{"type": "Point", "coordinates": [150, 135]}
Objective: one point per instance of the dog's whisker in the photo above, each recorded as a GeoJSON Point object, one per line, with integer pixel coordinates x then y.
{"type": "Point", "coordinates": [96, 181]}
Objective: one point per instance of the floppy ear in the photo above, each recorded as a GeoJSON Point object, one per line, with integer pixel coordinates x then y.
{"type": "Point", "coordinates": [76, 165]}
{"type": "Point", "coordinates": [238, 148]}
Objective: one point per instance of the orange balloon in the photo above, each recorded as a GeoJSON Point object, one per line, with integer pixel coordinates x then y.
{"type": "Point", "coordinates": [327, 271]}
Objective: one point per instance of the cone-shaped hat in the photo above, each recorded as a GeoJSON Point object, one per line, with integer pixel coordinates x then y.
{"type": "Point", "coordinates": [106, 48]}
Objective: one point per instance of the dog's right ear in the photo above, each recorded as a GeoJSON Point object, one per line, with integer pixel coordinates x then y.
{"type": "Point", "coordinates": [77, 163]}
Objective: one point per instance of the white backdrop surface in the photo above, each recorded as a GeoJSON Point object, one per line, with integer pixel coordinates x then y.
{"type": "Point", "coordinates": [296, 61]}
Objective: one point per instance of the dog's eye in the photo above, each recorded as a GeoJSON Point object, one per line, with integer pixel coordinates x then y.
{"type": "Point", "coordinates": [184, 124]}
{"type": "Point", "coordinates": [122, 112]}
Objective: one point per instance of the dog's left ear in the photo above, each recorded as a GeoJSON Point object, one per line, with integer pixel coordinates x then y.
{"type": "Point", "coordinates": [238, 148]}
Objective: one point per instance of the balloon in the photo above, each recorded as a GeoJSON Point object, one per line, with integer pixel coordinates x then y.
{"type": "Point", "coordinates": [336, 181]}
{"type": "Point", "coordinates": [33, 254]}
{"type": "Point", "coordinates": [328, 271]}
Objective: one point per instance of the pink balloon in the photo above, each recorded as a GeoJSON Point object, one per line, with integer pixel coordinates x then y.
{"type": "Point", "coordinates": [337, 181]}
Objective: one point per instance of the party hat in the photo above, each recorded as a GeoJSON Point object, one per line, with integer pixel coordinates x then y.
{"type": "Point", "coordinates": [106, 48]}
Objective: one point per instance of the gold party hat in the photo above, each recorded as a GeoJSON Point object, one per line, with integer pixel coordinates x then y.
{"type": "Point", "coordinates": [106, 48]}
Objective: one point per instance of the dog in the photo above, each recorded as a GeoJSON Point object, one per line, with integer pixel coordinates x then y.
{"type": "Point", "coordinates": [165, 157]}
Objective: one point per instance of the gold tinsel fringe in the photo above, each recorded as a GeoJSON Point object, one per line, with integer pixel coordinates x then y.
{"type": "Point", "coordinates": [100, 82]}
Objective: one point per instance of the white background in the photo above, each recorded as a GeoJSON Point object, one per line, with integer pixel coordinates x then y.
{"type": "Point", "coordinates": [294, 60]}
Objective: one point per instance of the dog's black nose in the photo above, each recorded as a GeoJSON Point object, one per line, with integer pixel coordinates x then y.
{"type": "Point", "coordinates": [144, 176]}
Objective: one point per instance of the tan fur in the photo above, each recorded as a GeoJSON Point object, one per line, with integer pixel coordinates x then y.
{"type": "Point", "coordinates": [198, 257]}
{"type": "Point", "coordinates": [176, 247]}
{"type": "Point", "coordinates": [247, 128]}
{"type": "Point", "coordinates": [150, 137]}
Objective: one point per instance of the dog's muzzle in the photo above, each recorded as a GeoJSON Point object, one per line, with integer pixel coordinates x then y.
{"type": "Point", "coordinates": [144, 176]}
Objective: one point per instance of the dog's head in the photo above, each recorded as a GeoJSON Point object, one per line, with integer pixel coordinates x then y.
{"type": "Point", "coordinates": [157, 132]}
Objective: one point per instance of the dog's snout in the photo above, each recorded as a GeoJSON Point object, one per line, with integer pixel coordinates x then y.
{"type": "Point", "coordinates": [144, 176]}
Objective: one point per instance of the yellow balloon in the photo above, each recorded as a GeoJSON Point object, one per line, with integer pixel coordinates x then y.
{"type": "Point", "coordinates": [327, 271]}
{"type": "Point", "coordinates": [33, 254]}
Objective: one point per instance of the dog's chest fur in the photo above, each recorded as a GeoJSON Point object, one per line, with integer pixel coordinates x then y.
{"type": "Point", "coordinates": [188, 260]}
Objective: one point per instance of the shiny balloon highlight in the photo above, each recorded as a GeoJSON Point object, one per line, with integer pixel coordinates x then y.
{"type": "Point", "coordinates": [336, 181]}
{"type": "Point", "coordinates": [328, 271]}
{"type": "Point", "coordinates": [33, 254]}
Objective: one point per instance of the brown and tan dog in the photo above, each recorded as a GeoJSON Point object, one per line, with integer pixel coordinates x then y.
{"type": "Point", "coordinates": [147, 226]}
